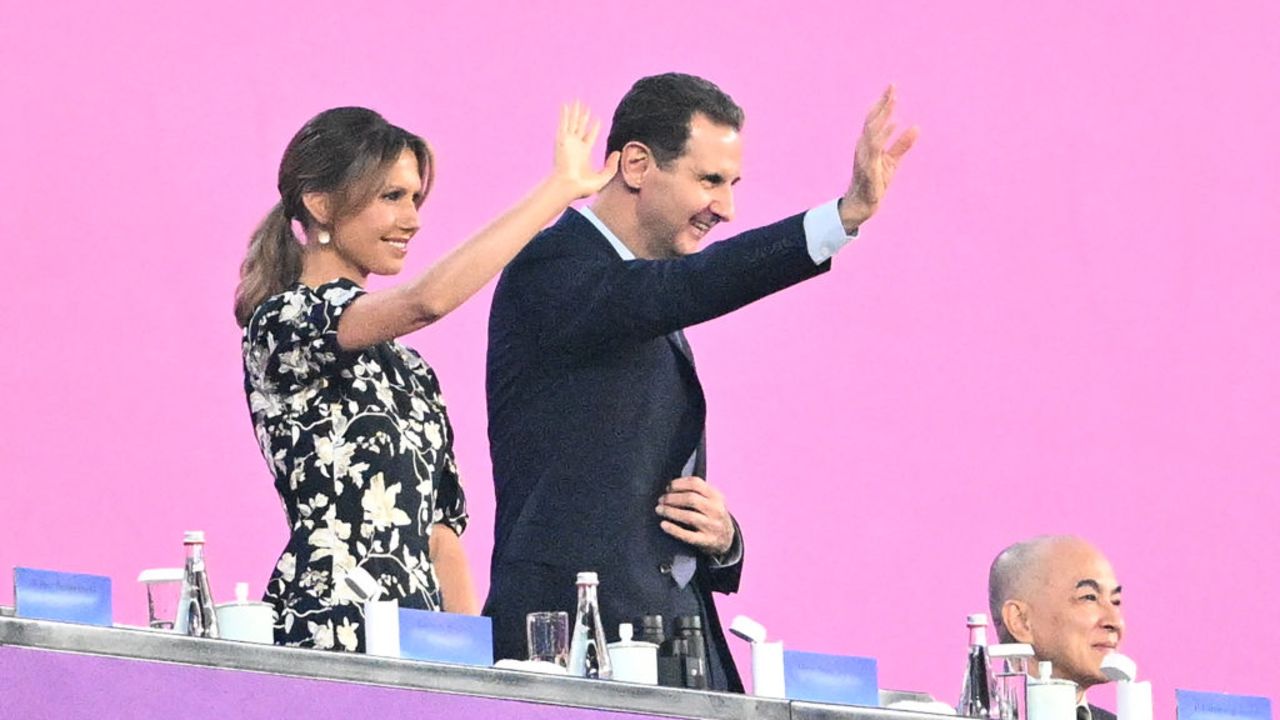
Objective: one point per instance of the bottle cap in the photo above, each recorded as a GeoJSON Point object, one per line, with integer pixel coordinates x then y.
{"type": "Point", "coordinates": [588, 578]}
{"type": "Point", "coordinates": [976, 619]}
{"type": "Point", "coordinates": [191, 537]}
{"type": "Point", "coordinates": [1119, 667]}
{"type": "Point", "coordinates": [748, 629]}
{"type": "Point", "coordinates": [1011, 650]}
{"type": "Point", "coordinates": [362, 584]}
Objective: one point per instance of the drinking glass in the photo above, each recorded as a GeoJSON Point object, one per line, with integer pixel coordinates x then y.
{"type": "Point", "coordinates": [548, 637]}
{"type": "Point", "coordinates": [164, 588]}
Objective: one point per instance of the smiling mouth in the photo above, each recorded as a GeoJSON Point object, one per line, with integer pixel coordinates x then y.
{"type": "Point", "coordinates": [703, 226]}
{"type": "Point", "coordinates": [401, 245]}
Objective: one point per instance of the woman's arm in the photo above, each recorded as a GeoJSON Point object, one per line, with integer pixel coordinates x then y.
{"type": "Point", "coordinates": [450, 562]}
{"type": "Point", "coordinates": [387, 314]}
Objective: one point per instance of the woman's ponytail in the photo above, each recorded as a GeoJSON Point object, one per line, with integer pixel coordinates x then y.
{"type": "Point", "coordinates": [273, 263]}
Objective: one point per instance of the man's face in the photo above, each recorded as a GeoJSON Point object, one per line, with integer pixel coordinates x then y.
{"type": "Point", "coordinates": [678, 205]}
{"type": "Point", "coordinates": [1073, 612]}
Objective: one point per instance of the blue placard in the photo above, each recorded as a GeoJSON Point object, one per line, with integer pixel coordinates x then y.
{"type": "Point", "coordinates": [841, 679]}
{"type": "Point", "coordinates": [68, 597]}
{"type": "Point", "coordinates": [446, 637]}
{"type": "Point", "coordinates": [1194, 705]}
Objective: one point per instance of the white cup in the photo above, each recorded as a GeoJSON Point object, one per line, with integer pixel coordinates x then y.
{"type": "Point", "coordinates": [382, 628]}
{"type": "Point", "coordinates": [1133, 700]}
{"type": "Point", "coordinates": [768, 676]}
{"type": "Point", "coordinates": [1051, 700]}
{"type": "Point", "coordinates": [633, 661]}
{"type": "Point", "coordinates": [246, 621]}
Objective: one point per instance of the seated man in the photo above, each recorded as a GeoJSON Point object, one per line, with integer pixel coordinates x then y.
{"type": "Point", "coordinates": [1059, 595]}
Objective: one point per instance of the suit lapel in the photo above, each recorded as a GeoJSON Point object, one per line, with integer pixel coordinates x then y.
{"type": "Point", "coordinates": [681, 344]}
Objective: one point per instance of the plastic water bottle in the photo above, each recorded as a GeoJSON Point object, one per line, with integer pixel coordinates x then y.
{"type": "Point", "coordinates": [975, 698]}
{"type": "Point", "coordinates": [588, 651]}
{"type": "Point", "coordinates": [196, 616]}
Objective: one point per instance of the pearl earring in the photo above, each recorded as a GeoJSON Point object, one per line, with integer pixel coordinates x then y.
{"type": "Point", "coordinates": [322, 237]}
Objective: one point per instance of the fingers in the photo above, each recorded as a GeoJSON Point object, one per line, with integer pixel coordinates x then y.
{"type": "Point", "coordinates": [708, 540]}
{"type": "Point", "coordinates": [594, 133]}
{"type": "Point", "coordinates": [705, 496]}
{"type": "Point", "coordinates": [696, 539]}
{"type": "Point", "coordinates": [692, 483]}
{"type": "Point", "coordinates": [610, 168]}
{"type": "Point", "coordinates": [881, 105]}
{"type": "Point", "coordinates": [688, 518]}
{"type": "Point", "coordinates": [580, 115]}
{"type": "Point", "coordinates": [904, 142]}
{"type": "Point", "coordinates": [575, 119]}
{"type": "Point", "coordinates": [701, 533]}
{"type": "Point", "coordinates": [875, 143]}
{"type": "Point", "coordinates": [693, 501]}
{"type": "Point", "coordinates": [878, 127]}
{"type": "Point", "coordinates": [694, 512]}
{"type": "Point", "coordinates": [696, 502]}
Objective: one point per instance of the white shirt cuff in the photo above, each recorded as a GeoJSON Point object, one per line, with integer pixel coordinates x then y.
{"type": "Point", "coordinates": [731, 557]}
{"type": "Point", "coordinates": [824, 233]}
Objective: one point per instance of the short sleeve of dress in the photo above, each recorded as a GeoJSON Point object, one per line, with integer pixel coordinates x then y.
{"type": "Point", "coordinates": [451, 501]}
{"type": "Point", "coordinates": [292, 338]}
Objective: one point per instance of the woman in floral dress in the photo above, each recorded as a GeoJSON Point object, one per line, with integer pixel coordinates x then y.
{"type": "Point", "coordinates": [350, 421]}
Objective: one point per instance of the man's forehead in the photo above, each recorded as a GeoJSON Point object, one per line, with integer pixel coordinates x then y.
{"type": "Point", "coordinates": [1074, 563]}
{"type": "Point", "coordinates": [713, 148]}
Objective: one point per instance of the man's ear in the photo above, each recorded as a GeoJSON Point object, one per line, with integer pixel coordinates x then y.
{"type": "Point", "coordinates": [1017, 620]}
{"type": "Point", "coordinates": [637, 160]}
{"type": "Point", "coordinates": [318, 206]}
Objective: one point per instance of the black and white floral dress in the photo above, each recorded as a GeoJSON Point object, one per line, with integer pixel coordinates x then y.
{"type": "Point", "coordinates": [362, 453]}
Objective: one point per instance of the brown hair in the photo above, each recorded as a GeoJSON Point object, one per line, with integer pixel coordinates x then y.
{"type": "Point", "coordinates": [345, 152]}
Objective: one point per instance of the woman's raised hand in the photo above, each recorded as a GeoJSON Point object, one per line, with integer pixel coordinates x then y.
{"type": "Point", "coordinates": [574, 141]}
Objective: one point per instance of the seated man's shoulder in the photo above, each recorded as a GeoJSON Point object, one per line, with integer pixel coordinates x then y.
{"type": "Point", "coordinates": [1098, 713]}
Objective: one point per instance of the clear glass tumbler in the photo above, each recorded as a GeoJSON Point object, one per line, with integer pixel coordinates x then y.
{"type": "Point", "coordinates": [164, 587]}
{"type": "Point", "coordinates": [548, 637]}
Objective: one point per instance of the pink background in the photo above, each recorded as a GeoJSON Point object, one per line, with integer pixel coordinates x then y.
{"type": "Point", "coordinates": [1065, 319]}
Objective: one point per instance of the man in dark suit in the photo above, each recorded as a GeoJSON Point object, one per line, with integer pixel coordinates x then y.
{"type": "Point", "coordinates": [595, 410]}
{"type": "Point", "coordinates": [1059, 595]}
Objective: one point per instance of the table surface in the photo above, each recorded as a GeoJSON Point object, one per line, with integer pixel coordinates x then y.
{"type": "Point", "coordinates": [481, 682]}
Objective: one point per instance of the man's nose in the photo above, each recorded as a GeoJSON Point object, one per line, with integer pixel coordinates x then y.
{"type": "Point", "coordinates": [722, 204]}
{"type": "Point", "coordinates": [1114, 620]}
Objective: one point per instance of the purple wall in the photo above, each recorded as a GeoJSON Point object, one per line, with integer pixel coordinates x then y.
{"type": "Point", "coordinates": [1066, 317]}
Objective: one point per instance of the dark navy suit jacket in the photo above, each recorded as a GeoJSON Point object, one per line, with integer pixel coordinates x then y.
{"type": "Point", "coordinates": [1098, 713]}
{"type": "Point", "coordinates": [593, 409]}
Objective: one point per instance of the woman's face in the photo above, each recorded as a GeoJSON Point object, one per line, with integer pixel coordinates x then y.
{"type": "Point", "coordinates": [376, 239]}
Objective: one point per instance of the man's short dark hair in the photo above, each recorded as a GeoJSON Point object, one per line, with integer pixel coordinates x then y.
{"type": "Point", "coordinates": [656, 111]}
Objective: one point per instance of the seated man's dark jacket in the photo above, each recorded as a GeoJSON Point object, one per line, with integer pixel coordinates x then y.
{"type": "Point", "coordinates": [1101, 713]}
{"type": "Point", "coordinates": [593, 410]}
